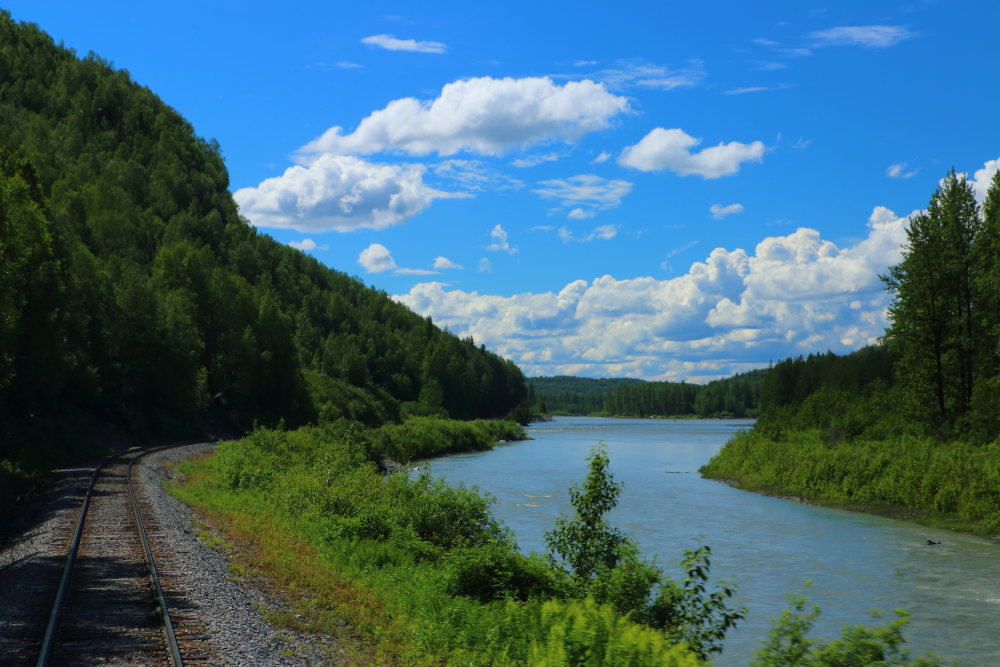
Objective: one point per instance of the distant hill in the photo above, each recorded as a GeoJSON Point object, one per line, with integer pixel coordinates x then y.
{"type": "Point", "coordinates": [737, 396]}
{"type": "Point", "coordinates": [133, 293]}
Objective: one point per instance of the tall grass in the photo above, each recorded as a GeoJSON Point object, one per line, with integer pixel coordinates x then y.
{"type": "Point", "coordinates": [857, 456]}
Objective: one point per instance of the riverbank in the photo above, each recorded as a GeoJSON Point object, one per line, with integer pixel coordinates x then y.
{"type": "Point", "coordinates": [939, 520]}
{"type": "Point", "coordinates": [948, 485]}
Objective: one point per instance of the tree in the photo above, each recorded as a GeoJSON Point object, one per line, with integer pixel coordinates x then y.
{"type": "Point", "coordinates": [934, 326]}
{"type": "Point", "coordinates": [603, 563]}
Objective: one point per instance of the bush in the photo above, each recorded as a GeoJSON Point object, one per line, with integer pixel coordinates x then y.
{"type": "Point", "coordinates": [788, 646]}
{"type": "Point", "coordinates": [583, 633]}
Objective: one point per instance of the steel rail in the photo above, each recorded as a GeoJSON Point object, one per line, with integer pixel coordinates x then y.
{"type": "Point", "coordinates": [173, 648]}
{"type": "Point", "coordinates": [50, 630]}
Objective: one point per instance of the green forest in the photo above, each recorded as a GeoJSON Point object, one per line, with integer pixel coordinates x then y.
{"type": "Point", "coordinates": [133, 295]}
{"type": "Point", "coordinates": [737, 396]}
{"type": "Point", "coordinates": [910, 427]}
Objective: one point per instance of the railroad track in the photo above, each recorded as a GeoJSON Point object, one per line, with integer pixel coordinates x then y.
{"type": "Point", "coordinates": [119, 598]}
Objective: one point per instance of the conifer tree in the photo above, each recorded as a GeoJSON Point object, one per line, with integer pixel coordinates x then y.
{"type": "Point", "coordinates": [933, 320]}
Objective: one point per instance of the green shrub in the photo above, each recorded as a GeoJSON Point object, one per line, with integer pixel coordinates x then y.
{"type": "Point", "coordinates": [583, 633]}
{"type": "Point", "coordinates": [787, 645]}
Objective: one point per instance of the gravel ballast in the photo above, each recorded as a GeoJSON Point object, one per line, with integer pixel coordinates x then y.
{"type": "Point", "coordinates": [232, 608]}
{"type": "Point", "coordinates": [232, 611]}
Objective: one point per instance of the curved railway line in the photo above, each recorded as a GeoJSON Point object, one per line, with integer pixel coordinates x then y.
{"type": "Point", "coordinates": [119, 599]}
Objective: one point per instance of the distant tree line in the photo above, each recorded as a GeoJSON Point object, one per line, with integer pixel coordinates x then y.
{"type": "Point", "coordinates": [738, 396]}
{"type": "Point", "coordinates": [131, 290]}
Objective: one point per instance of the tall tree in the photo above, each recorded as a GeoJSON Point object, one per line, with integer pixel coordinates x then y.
{"type": "Point", "coordinates": [933, 320]}
{"type": "Point", "coordinates": [987, 255]}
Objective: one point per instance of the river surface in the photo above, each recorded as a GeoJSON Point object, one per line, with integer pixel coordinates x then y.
{"type": "Point", "coordinates": [769, 547]}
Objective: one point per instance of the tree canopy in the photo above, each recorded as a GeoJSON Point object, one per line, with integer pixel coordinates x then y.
{"type": "Point", "coordinates": [131, 290]}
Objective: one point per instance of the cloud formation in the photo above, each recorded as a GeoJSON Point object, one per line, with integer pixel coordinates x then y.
{"type": "Point", "coordinates": [587, 193]}
{"type": "Point", "coordinates": [445, 263]}
{"type": "Point", "coordinates": [982, 179]}
{"type": "Point", "coordinates": [376, 258]}
{"type": "Point", "coordinates": [898, 170]}
{"type": "Point", "coordinates": [341, 193]}
{"type": "Point", "coordinates": [475, 175]}
{"type": "Point", "coordinates": [870, 36]}
{"type": "Point", "coordinates": [392, 44]}
{"type": "Point", "coordinates": [532, 160]}
{"type": "Point", "coordinates": [671, 149]}
{"type": "Point", "coordinates": [641, 74]}
{"type": "Point", "coordinates": [605, 232]}
{"type": "Point", "coordinates": [730, 312]}
{"type": "Point", "coordinates": [499, 244]}
{"type": "Point", "coordinates": [719, 211]}
{"type": "Point", "coordinates": [306, 245]}
{"type": "Point", "coordinates": [484, 115]}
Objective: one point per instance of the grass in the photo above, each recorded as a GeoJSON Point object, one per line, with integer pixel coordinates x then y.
{"type": "Point", "coordinates": [950, 485]}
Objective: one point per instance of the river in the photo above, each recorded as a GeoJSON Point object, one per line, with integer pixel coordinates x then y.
{"type": "Point", "coordinates": [769, 547]}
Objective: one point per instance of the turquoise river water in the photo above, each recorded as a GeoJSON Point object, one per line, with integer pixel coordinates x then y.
{"type": "Point", "coordinates": [848, 563]}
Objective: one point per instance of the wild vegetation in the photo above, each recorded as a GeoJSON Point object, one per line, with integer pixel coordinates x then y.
{"type": "Point", "coordinates": [132, 292]}
{"type": "Point", "coordinates": [911, 424]}
{"type": "Point", "coordinates": [420, 573]}
{"type": "Point", "coordinates": [434, 579]}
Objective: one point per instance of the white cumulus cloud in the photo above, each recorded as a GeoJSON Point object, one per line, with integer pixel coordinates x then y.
{"type": "Point", "coordinates": [871, 36]}
{"type": "Point", "coordinates": [603, 157]}
{"type": "Point", "coordinates": [732, 311]}
{"type": "Point", "coordinates": [307, 245]}
{"type": "Point", "coordinates": [485, 266]}
{"type": "Point", "coordinates": [982, 179]}
{"type": "Point", "coordinates": [376, 258]}
{"type": "Point", "coordinates": [392, 44]}
{"type": "Point", "coordinates": [339, 192]}
{"type": "Point", "coordinates": [483, 115]}
{"type": "Point", "coordinates": [671, 149]}
{"type": "Point", "coordinates": [445, 263]}
{"type": "Point", "coordinates": [588, 193]}
{"type": "Point", "coordinates": [719, 211]}
{"type": "Point", "coordinates": [499, 244]}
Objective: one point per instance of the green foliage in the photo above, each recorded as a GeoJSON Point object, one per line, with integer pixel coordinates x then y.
{"type": "Point", "coordinates": [132, 291]}
{"type": "Point", "coordinates": [792, 381]}
{"type": "Point", "coordinates": [583, 633]}
{"type": "Point", "coordinates": [943, 313]}
{"type": "Point", "coordinates": [737, 396]}
{"type": "Point", "coordinates": [586, 543]}
{"type": "Point", "coordinates": [905, 471]}
{"type": "Point", "coordinates": [787, 644]}
{"type": "Point", "coordinates": [601, 562]}
{"type": "Point", "coordinates": [446, 579]}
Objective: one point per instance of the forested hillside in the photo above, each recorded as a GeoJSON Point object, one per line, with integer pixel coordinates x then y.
{"type": "Point", "coordinates": [571, 395]}
{"type": "Point", "coordinates": [133, 293]}
{"type": "Point", "coordinates": [737, 396]}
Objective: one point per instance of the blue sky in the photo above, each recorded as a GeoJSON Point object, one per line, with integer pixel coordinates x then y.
{"type": "Point", "coordinates": [674, 191]}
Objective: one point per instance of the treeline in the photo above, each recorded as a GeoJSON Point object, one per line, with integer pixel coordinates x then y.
{"type": "Point", "coordinates": [132, 292]}
{"type": "Point", "coordinates": [913, 422]}
{"type": "Point", "coordinates": [737, 396]}
{"type": "Point", "coordinates": [571, 395]}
